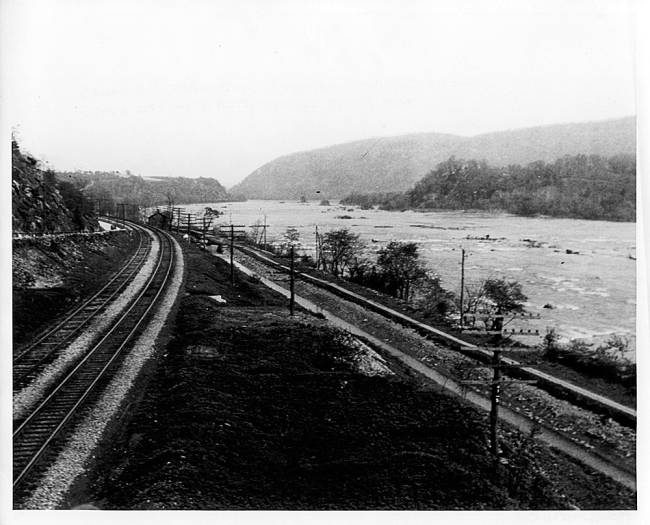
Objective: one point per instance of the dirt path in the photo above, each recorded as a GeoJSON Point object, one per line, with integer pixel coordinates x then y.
{"type": "Point", "coordinates": [388, 336]}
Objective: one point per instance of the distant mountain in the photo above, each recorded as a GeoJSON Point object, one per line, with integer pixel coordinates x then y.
{"type": "Point", "coordinates": [145, 191]}
{"type": "Point", "coordinates": [388, 164]}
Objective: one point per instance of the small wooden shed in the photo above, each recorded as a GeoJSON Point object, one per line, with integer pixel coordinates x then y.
{"type": "Point", "coordinates": [159, 219]}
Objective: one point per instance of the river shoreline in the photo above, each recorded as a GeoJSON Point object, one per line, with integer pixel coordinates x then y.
{"type": "Point", "coordinates": [577, 273]}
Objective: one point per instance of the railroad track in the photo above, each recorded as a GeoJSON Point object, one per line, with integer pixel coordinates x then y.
{"type": "Point", "coordinates": [41, 434]}
{"type": "Point", "coordinates": [30, 359]}
{"type": "Point", "coordinates": [555, 386]}
{"type": "Point", "coordinates": [348, 316]}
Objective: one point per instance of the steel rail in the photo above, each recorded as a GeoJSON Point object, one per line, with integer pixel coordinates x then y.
{"type": "Point", "coordinates": [50, 331]}
{"type": "Point", "coordinates": [81, 392]}
{"type": "Point", "coordinates": [39, 352]}
{"type": "Point", "coordinates": [555, 386]}
{"type": "Point", "coordinates": [610, 466]}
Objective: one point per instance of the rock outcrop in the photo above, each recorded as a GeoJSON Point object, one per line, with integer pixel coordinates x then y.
{"type": "Point", "coordinates": [37, 204]}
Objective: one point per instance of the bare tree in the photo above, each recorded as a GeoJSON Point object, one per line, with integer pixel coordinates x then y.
{"type": "Point", "coordinates": [399, 262]}
{"type": "Point", "coordinates": [495, 298]}
{"type": "Point", "coordinates": [291, 237]}
{"type": "Point", "coordinates": [256, 232]}
{"type": "Point", "coordinates": [340, 247]}
{"type": "Point", "coordinates": [170, 195]}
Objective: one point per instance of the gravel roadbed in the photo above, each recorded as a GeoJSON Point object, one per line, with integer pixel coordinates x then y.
{"type": "Point", "coordinates": [27, 397]}
{"type": "Point", "coordinates": [72, 460]}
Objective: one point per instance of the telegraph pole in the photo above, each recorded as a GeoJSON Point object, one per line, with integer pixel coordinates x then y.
{"type": "Point", "coordinates": [232, 249]}
{"type": "Point", "coordinates": [495, 398]}
{"type": "Point", "coordinates": [495, 393]}
{"type": "Point", "coordinates": [291, 283]}
{"type": "Point", "coordinates": [462, 285]}
{"type": "Point", "coordinates": [265, 231]}
{"type": "Point", "coordinates": [317, 254]}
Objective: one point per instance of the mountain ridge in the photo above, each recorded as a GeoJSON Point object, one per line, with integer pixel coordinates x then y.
{"type": "Point", "coordinates": [394, 163]}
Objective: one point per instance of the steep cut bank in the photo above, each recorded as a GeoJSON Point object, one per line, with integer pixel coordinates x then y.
{"type": "Point", "coordinates": [388, 164]}
{"type": "Point", "coordinates": [41, 204]}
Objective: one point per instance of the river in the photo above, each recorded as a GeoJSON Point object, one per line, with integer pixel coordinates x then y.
{"type": "Point", "coordinates": [582, 271]}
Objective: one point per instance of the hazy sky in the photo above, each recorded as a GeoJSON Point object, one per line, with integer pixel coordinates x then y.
{"type": "Point", "coordinates": [213, 88]}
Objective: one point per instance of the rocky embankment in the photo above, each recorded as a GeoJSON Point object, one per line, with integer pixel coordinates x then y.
{"type": "Point", "coordinates": [38, 204]}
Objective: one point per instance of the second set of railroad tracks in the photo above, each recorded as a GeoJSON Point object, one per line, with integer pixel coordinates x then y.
{"type": "Point", "coordinates": [347, 305]}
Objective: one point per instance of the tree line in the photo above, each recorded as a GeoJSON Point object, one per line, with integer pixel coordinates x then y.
{"type": "Point", "coordinates": [134, 189]}
{"type": "Point", "coordinates": [579, 186]}
{"type": "Point", "coordinates": [398, 270]}
{"type": "Point", "coordinates": [80, 206]}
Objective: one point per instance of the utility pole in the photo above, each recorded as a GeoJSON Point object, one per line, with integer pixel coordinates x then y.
{"type": "Point", "coordinates": [232, 257]}
{"type": "Point", "coordinates": [317, 254]}
{"type": "Point", "coordinates": [495, 393]}
{"type": "Point", "coordinates": [495, 396]}
{"type": "Point", "coordinates": [265, 231]}
{"type": "Point", "coordinates": [462, 285]}
{"type": "Point", "coordinates": [292, 280]}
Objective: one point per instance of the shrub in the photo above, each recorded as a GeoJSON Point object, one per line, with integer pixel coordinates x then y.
{"type": "Point", "coordinates": [433, 300]}
{"type": "Point", "coordinates": [607, 361]}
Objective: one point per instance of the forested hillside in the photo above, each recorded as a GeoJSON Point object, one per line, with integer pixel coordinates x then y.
{"type": "Point", "coordinates": [579, 186]}
{"type": "Point", "coordinates": [390, 164]}
{"type": "Point", "coordinates": [134, 189]}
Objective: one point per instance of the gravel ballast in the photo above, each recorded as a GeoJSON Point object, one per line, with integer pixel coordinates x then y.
{"type": "Point", "coordinates": [71, 462]}
{"type": "Point", "coordinates": [27, 397]}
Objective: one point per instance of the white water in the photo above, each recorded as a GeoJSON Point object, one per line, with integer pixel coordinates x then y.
{"type": "Point", "coordinates": [593, 293]}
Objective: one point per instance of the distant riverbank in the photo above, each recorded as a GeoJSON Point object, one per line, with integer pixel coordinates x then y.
{"type": "Point", "coordinates": [578, 187]}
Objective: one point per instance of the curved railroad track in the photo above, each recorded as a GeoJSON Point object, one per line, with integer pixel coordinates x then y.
{"type": "Point", "coordinates": [41, 434]}
{"type": "Point", "coordinates": [31, 358]}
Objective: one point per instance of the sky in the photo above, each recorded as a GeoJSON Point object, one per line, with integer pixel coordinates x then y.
{"type": "Point", "coordinates": [216, 89]}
